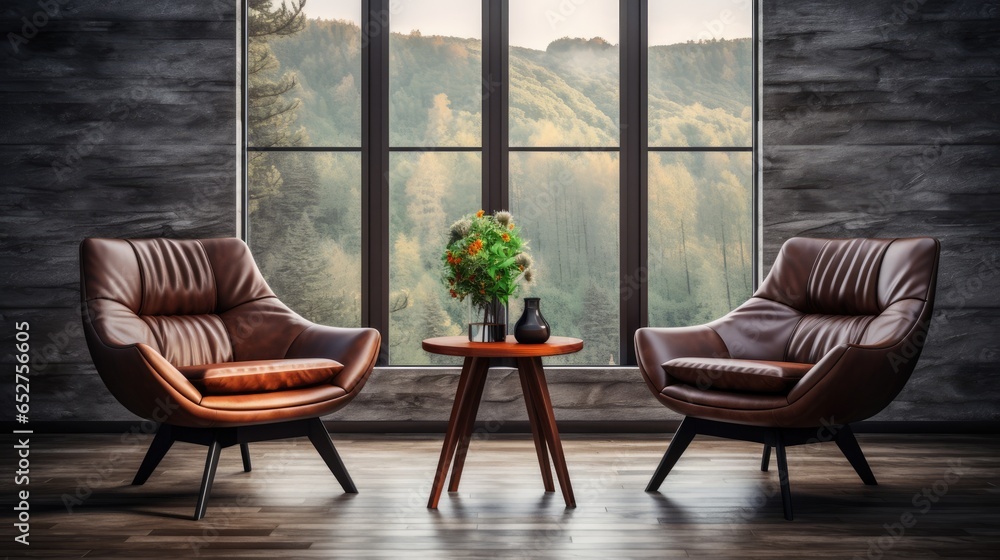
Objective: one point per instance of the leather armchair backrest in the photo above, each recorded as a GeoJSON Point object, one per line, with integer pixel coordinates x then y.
{"type": "Point", "coordinates": [822, 293]}
{"type": "Point", "coordinates": [193, 301]}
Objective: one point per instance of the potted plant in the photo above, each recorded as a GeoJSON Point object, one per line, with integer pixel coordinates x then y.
{"type": "Point", "coordinates": [485, 262]}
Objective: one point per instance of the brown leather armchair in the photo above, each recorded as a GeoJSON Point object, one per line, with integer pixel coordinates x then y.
{"type": "Point", "coordinates": [830, 338]}
{"type": "Point", "coordinates": [188, 334]}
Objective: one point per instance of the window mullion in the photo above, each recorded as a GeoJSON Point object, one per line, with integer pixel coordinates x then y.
{"type": "Point", "coordinates": [495, 87]}
{"type": "Point", "coordinates": [375, 169]}
{"type": "Point", "coordinates": [633, 39]}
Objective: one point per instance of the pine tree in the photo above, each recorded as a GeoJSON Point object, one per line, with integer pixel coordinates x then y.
{"type": "Point", "coordinates": [270, 111]}
{"type": "Point", "coordinates": [599, 325]}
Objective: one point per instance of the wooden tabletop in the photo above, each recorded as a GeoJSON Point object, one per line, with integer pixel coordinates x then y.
{"type": "Point", "coordinates": [460, 346]}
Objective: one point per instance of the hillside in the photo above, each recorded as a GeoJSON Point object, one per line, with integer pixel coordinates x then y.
{"type": "Point", "coordinates": [698, 92]}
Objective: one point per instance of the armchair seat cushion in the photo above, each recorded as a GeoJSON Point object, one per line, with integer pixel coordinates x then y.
{"type": "Point", "coordinates": [274, 405]}
{"type": "Point", "coordinates": [719, 404]}
{"type": "Point", "coordinates": [260, 376]}
{"type": "Point", "coordinates": [743, 376]}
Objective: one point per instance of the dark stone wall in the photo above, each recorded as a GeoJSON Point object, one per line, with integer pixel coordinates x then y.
{"type": "Point", "coordinates": [882, 119]}
{"type": "Point", "coordinates": [117, 118]}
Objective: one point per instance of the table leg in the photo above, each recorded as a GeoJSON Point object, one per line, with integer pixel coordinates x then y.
{"type": "Point", "coordinates": [467, 420]}
{"type": "Point", "coordinates": [547, 422]}
{"type": "Point", "coordinates": [536, 433]}
{"type": "Point", "coordinates": [451, 436]}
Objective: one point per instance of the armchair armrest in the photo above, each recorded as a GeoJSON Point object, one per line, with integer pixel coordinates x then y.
{"type": "Point", "coordinates": [165, 371]}
{"type": "Point", "coordinates": [357, 349]}
{"type": "Point", "coordinates": [142, 380]}
{"type": "Point", "coordinates": [653, 346]}
{"type": "Point", "coordinates": [853, 382]}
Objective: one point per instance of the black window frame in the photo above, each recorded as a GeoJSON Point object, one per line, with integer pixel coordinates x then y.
{"type": "Point", "coordinates": [633, 150]}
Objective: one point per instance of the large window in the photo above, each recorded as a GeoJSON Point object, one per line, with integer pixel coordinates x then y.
{"type": "Point", "coordinates": [700, 198]}
{"type": "Point", "coordinates": [619, 133]}
{"type": "Point", "coordinates": [303, 161]}
{"type": "Point", "coordinates": [564, 172]}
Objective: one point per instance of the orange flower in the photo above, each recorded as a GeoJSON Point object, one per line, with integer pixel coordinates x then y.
{"type": "Point", "coordinates": [510, 227]}
{"type": "Point", "coordinates": [454, 294]}
{"type": "Point", "coordinates": [480, 214]}
{"type": "Point", "coordinates": [505, 237]}
{"type": "Point", "coordinates": [475, 246]}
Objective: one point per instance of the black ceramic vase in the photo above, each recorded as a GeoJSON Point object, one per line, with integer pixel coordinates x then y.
{"type": "Point", "coordinates": [532, 328]}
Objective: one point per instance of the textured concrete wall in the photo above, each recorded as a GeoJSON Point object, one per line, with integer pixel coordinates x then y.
{"type": "Point", "coordinates": [880, 119]}
{"type": "Point", "coordinates": [117, 118]}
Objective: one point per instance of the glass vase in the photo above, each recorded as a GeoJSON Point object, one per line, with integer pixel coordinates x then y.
{"type": "Point", "coordinates": [488, 322]}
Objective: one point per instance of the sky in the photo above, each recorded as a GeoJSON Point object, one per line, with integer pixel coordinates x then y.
{"type": "Point", "coordinates": [536, 23]}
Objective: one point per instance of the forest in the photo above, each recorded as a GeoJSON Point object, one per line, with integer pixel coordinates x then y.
{"type": "Point", "coordinates": [305, 207]}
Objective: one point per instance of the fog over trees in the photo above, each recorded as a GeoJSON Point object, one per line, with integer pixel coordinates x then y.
{"type": "Point", "coordinates": [305, 211]}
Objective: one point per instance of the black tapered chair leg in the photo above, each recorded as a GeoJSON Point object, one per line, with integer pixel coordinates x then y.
{"type": "Point", "coordinates": [245, 454]}
{"type": "Point", "coordinates": [211, 464]}
{"type": "Point", "coordinates": [162, 441]}
{"type": "Point", "coordinates": [786, 489]}
{"type": "Point", "coordinates": [320, 439]}
{"type": "Point", "coordinates": [848, 445]}
{"type": "Point", "coordinates": [682, 437]}
{"type": "Point", "coordinates": [765, 459]}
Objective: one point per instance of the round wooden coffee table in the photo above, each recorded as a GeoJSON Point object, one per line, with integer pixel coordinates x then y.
{"type": "Point", "coordinates": [470, 392]}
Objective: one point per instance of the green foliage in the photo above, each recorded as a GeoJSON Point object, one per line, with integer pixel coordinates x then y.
{"type": "Point", "coordinates": [485, 258]}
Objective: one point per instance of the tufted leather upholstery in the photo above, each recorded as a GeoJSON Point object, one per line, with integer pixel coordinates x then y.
{"type": "Point", "coordinates": [156, 309]}
{"type": "Point", "coordinates": [850, 314]}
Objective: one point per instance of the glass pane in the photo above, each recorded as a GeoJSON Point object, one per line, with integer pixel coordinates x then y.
{"type": "Point", "coordinates": [700, 236]}
{"type": "Point", "coordinates": [435, 73]}
{"type": "Point", "coordinates": [305, 231]}
{"type": "Point", "coordinates": [700, 72]}
{"type": "Point", "coordinates": [567, 206]}
{"type": "Point", "coordinates": [564, 73]}
{"type": "Point", "coordinates": [427, 192]}
{"type": "Point", "coordinates": [305, 75]}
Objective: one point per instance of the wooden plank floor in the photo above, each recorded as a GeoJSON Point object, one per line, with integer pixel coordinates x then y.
{"type": "Point", "coordinates": [716, 503]}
